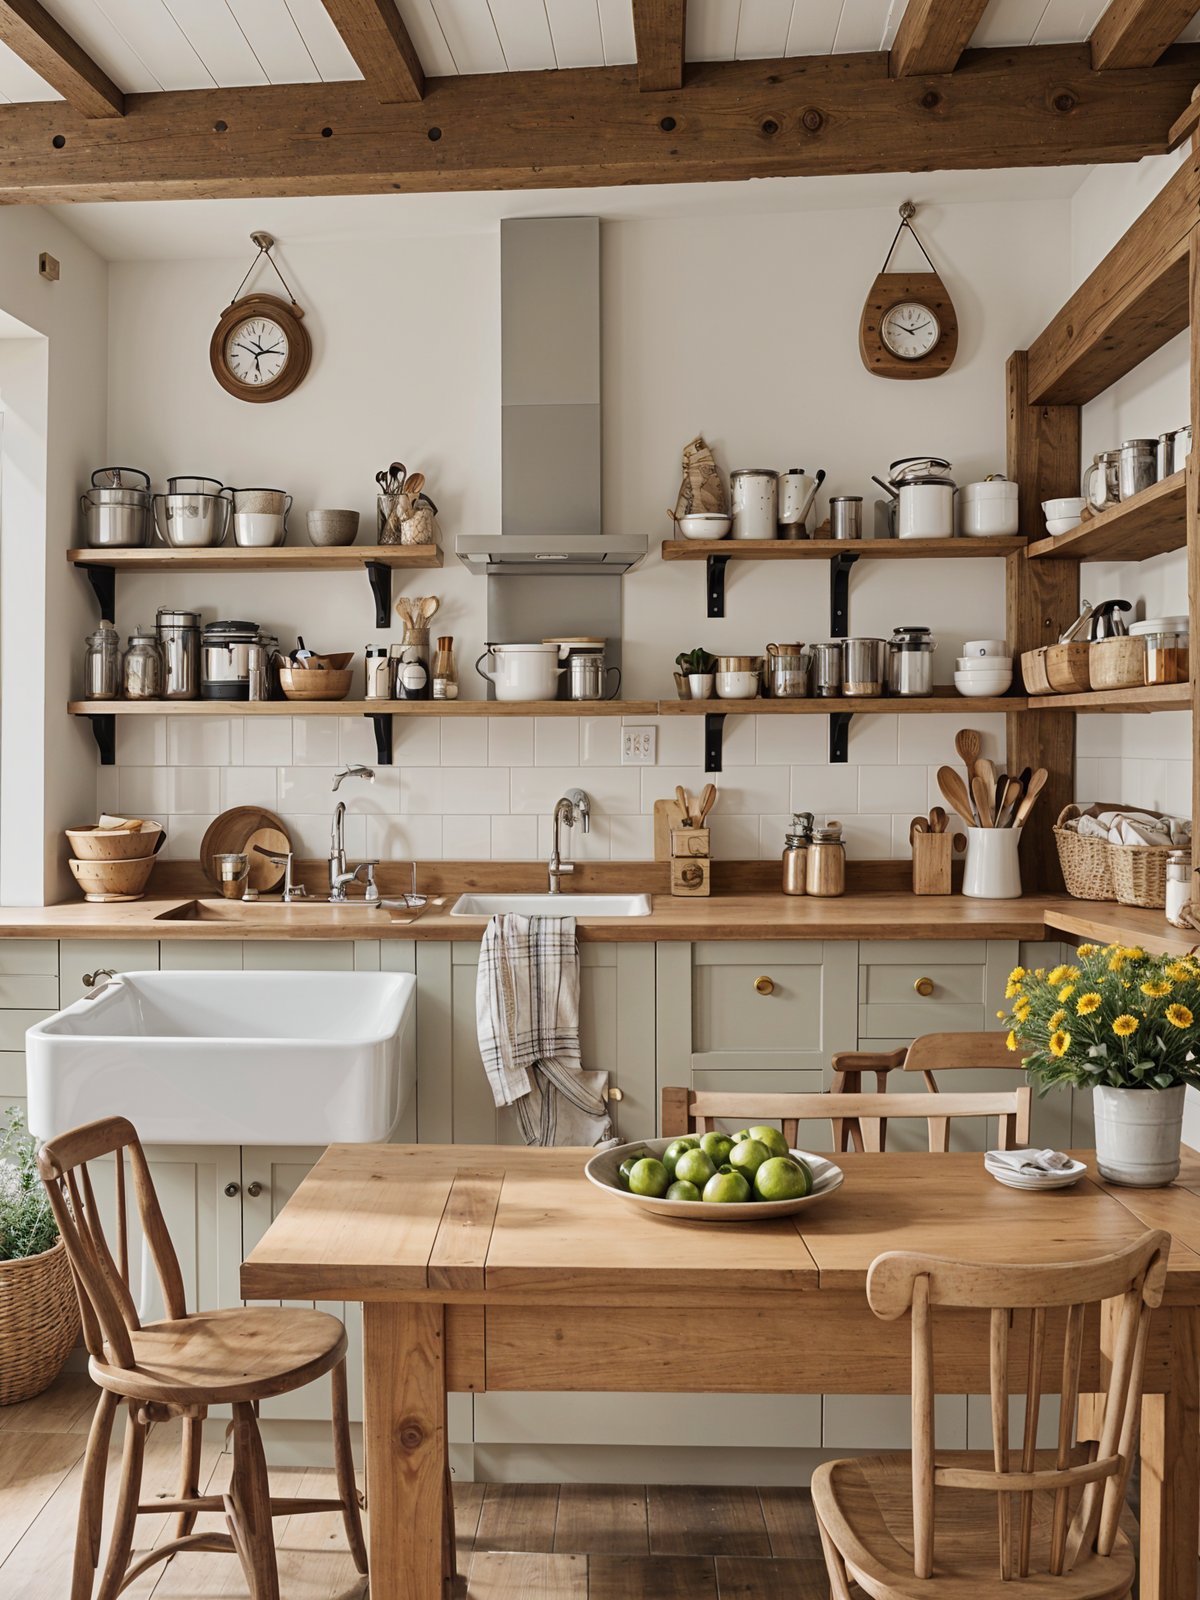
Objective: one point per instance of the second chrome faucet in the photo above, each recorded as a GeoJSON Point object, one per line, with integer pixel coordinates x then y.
{"type": "Point", "coordinates": [339, 877]}
{"type": "Point", "coordinates": [573, 807]}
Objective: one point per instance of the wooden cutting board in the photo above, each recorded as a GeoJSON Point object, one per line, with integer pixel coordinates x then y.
{"type": "Point", "coordinates": [668, 814]}
{"type": "Point", "coordinates": [239, 830]}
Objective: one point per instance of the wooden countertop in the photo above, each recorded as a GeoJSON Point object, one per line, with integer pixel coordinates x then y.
{"type": "Point", "coordinates": [742, 915]}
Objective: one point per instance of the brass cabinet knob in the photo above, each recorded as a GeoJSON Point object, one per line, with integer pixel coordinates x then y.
{"type": "Point", "coordinates": [924, 986]}
{"type": "Point", "coordinates": [614, 1094]}
{"type": "Point", "coordinates": [254, 1189]}
{"type": "Point", "coordinates": [764, 985]}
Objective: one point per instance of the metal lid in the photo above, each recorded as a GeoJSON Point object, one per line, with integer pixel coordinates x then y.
{"type": "Point", "coordinates": [844, 499]}
{"type": "Point", "coordinates": [142, 635]}
{"type": "Point", "coordinates": [1138, 444]}
{"type": "Point", "coordinates": [800, 831]}
{"type": "Point", "coordinates": [1179, 858]}
{"type": "Point", "coordinates": [231, 630]}
{"type": "Point", "coordinates": [754, 472]}
{"type": "Point", "coordinates": [168, 617]}
{"type": "Point", "coordinates": [1158, 625]}
{"type": "Point", "coordinates": [830, 833]}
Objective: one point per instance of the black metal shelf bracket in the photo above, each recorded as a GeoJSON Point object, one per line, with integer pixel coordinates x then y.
{"type": "Point", "coordinates": [714, 735]}
{"type": "Point", "coordinates": [379, 576]}
{"type": "Point", "coordinates": [104, 585]}
{"type": "Point", "coordinates": [104, 730]}
{"type": "Point", "coordinates": [716, 587]}
{"type": "Point", "coordinates": [839, 737]}
{"type": "Point", "coordinates": [383, 736]}
{"type": "Point", "coordinates": [839, 593]}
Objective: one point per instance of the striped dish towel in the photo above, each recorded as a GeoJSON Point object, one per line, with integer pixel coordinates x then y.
{"type": "Point", "coordinates": [527, 1013]}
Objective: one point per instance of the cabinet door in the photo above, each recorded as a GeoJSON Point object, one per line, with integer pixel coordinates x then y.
{"type": "Point", "coordinates": [966, 979]}
{"type": "Point", "coordinates": [77, 956]}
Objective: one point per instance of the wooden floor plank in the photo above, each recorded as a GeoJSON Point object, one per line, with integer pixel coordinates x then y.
{"type": "Point", "coordinates": [468, 1503]}
{"type": "Point", "coordinates": [653, 1578]}
{"type": "Point", "coordinates": [526, 1575]}
{"type": "Point", "coordinates": [65, 1407]}
{"type": "Point", "coordinates": [609, 1518]}
{"type": "Point", "coordinates": [517, 1516]}
{"type": "Point", "coordinates": [791, 1523]}
{"type": "Point", "coordinates": [32, 1468]}
{"type": "Point", "coordinates": [768, 1580]}
{"type": "Point", "coordinates": [689, 1519]}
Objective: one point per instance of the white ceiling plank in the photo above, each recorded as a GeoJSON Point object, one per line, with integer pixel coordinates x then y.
{"type": "Point", "coordinates": [616, 29]}
{"type": "Point", "coordinates": [153, 32]}
{"type": "Point", "coordinates": [1008, 22]}
{"type": "Point", "coordinates": [861, 26]}
{"type": "Point", "coordinates": [471, 35]}
{"type": "Point", "coordinates": [1065, 21]}
{"type": "Point", "coordinates": [19, 82]}
{"type": "Point", "coordinates": [212, 30]}
{"type": "Point", "coordinates": [112, 52]}
{"type": "Point", "coordinates": [524, 31]}
{"type": "Point", "coordinates": [892, 26]}
{"type": "Point", "coordinates": [711, 30]}
{"type": "Point", "coordinates": [575, 27]}
{"type": "Point", "coordinates": [323, 42]}
{"type": "Point", "coordinates": [429, 41]}
{"type": "Point", "coordinates": [762, 29]}
{"type": "Point", "coordinates": [813, 27]}
{"type": "Point", "coordinates": [275, 39]}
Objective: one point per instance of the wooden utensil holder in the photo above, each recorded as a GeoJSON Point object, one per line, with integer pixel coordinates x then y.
{"type": "Point", "coordinates": [690, 863]}
{"type": "Point", "coordinates": [932, 854]}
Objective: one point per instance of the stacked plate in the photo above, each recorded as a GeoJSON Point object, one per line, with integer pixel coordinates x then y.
{"type": "Point", "coordinates": [1005, 1168]}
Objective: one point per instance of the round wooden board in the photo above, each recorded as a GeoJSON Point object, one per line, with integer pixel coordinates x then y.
{"type": "Point", "coordinates": [237, 831]}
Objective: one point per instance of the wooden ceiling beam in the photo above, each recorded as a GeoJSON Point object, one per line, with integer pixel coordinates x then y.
{"type": "Point", "coordinates": [29, 30]}
{"type": "Point", "coordinates": [659, 27]}
{"type": "Point", "coordinates": [1135, 33]}
{"type": "Point", "coordinates": [374, 33]}
{"type": "Point", "coordinates": [933, 34]}
{"type": "Point", "coordinates": [1040, 106]}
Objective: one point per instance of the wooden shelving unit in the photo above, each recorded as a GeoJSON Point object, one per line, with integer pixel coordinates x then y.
{"type": "Point", "coordinates": [1149, 524]}
{"type": "Point", "coordinates": [1169, 697]}
{"type": "Point", "coordinates": [364, 708]}
{"type": "Point", "coordinates": [940, 702]}
{"type": "Point", "coordinates": [823, 549]}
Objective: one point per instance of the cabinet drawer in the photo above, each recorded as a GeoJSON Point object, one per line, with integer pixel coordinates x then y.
{"type": "Point", "coordinates": [13, 1025]}
{"type": "Point", "coordinates": [895, 983]}
{"type": "Point", "coordinates": [908, 1022]}
{"type": "Point", "coordinates": [32, 957]}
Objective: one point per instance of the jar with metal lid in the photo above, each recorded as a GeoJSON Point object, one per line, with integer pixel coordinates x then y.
{"type": "Point", "coordinates": [179, 636]}
{"type": "Point", "coordinates": [1136, 466]}
{"type": "Point", "coordinates": [142, 671]}
{"type": "Point", "coordinates": [827, 669]}
{"type": "Point", "coordinates": [754, 492]}
{"type": "Point", "coordinates": [1166, 640]}
{"type": "Point", "coordinates": [910, 662]}
{"type": "Point", "coordinates": [795, 852]}
{"type": "Point", "coordinates": [101, 663]}
{"type": "Point", "coordinates": [1179, 887]}
{"type": "Point", "coordinates": [825, 868]}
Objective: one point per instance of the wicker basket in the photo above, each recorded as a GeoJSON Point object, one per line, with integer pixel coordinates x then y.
{"type": "Point", "coordinates": [39, 1322]}
{"type": "Point", "coordinates": [1086, 865]}
{"type": "Point", "coordinates": [1033, 671]}
{"type": "Point", "coordinates": [1094, 869]}
{"type": "Point", "coordinates": [1140, 874]}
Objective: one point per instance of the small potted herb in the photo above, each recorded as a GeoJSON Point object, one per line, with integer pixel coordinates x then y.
{"type": "Point", "coordinates": [697, 668]}
{"type": "Point", "coordinates": [1126, 1025]}
{"type": "Point", "coordinates": [39, 1314]}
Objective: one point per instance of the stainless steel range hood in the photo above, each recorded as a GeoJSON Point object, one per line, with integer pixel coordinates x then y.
{"type": "Point", "coordinates": [550, 408]}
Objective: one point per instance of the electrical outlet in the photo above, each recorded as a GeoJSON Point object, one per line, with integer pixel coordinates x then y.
{"type": "Point", "coordinates": [639, 747]}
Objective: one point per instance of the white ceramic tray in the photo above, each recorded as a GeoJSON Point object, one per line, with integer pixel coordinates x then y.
{"type": "Point", "coordinates": [603, 1171]}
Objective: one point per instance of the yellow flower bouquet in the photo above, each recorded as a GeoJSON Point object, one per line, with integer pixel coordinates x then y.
{"type": "Point", "coordinates": [1115, 1017]}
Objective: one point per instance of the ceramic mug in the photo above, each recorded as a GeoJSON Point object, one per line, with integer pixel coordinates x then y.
{"type": "Point", "coordinates": [993, 868]}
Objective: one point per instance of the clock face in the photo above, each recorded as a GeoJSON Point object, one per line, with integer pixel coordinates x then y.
{"type": "Point", "coordinates": [256, 351]}
{"type": "Point", "coordinates": [910, 330]}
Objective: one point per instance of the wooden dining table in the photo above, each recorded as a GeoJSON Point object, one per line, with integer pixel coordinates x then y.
{"type": "Point", "coordinates": [481, 1267]}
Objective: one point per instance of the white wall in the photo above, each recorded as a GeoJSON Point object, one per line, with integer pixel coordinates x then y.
{"type": "Point", "coordinates": [743, 329]}
{"type": "Point", "coordinates": [53, 392]}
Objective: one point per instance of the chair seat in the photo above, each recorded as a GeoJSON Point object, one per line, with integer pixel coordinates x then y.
{"type": "Point", "coordinates": [865, 1507]}
{"type": "Point", "coordinates": [217, 1357]}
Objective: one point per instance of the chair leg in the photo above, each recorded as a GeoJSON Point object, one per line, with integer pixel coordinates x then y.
{"type": "Point", "coordinates": [91, 1498]}
{"type": "Point", "coordinates": [343, 1464]}
{"type": "Point", "coordinates": [121, 1542]}
{"type": "Point", "coordinates": [248, 1506]}
{"type": "Point", "coordinates": [189, 1473]}
{"type": "Point", "coordinates": [835, 1567]}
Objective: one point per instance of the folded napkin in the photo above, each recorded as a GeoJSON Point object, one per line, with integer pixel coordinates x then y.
{"type": "Point", "coordinates": [1136, 828]}
{"type": "Point", "coordinates": [1027, 1160]}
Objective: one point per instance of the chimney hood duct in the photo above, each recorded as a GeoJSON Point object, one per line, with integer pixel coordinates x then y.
{"type": "Point", "coordinates": [550, 408]}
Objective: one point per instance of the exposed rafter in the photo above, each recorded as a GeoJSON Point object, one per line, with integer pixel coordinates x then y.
{"type": "Point", "coordinates": [658, 30]}
{"type": "Point", "coordinates": [1134, 33]}
{"type": "Point", "coordinates": [374, 33]}
{"type": "Point", "coordinates": [1040, 106]}
{"type": "Point", "coordinates": [933, 34]}
{"type": "Point", "coordinates": [29, 30]}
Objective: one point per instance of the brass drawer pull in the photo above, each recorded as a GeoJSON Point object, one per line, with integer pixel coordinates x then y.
{"type": "Point", "coordinates": [612, 1093]}
{"type": "Point", "coordinates": [924, 986]}
{"type": "Point", "coordinates": [764, 985]}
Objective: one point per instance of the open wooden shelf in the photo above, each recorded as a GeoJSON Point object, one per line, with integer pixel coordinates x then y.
{"type": "Point", "coordinates": [941, 700]}
{"type": "Point", "coordinates": [363, 708]}
{"type": "Point", "coordinates": [824, 549]}
{"type": "Point", "coordinates": [1168, 697]}
{"type": "Point", "coordinates": [283, 558]}
{"type": "Point", "coordinates": [1148, 524]}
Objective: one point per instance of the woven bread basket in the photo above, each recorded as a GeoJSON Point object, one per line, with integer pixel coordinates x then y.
{"type": "Point", "coordinates": [39, 1322]}
{"type": "Point", "coordinates": [1085, 863]}
{"type": "Point", "coordinates": [1094, 869]}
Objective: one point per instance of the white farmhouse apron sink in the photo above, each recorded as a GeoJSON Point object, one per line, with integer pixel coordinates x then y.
{"type": "Point", "coordinates": [552, 905]}
{"type": "Point", "coordinates": [279, 1058]}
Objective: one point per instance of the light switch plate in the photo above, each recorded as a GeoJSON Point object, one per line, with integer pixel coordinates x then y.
{"type": "Point", "coordinates": [639, 747]}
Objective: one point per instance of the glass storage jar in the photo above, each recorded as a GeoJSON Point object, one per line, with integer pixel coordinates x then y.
{"type": "Point", "coordinates": [142, 673]}
{"type": "Point", "coordinates": [1166, 642]}
{"type": "Point", "coordinates": [1179, 887]}
{"type": "Point", "coordinates": [101, 663]}
{"type": "Point", "coordinates": [825, 869]}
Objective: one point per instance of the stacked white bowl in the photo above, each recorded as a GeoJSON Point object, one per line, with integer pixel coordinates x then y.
{"type": "Point", "coordinates": [984, 668]}
{"type": "Point", "coordinates": [1064, 514]}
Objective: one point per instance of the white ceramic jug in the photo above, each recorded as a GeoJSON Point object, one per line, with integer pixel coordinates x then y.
{"type": "Point", "coordinates": [523, 671]}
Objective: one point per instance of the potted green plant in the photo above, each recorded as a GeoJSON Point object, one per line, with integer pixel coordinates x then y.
{"type": "Point", "coordinates": [1125, 1025]}
{"type": "Point", "coordinates": [39, 1313]}
{"type": "Point", "coordinates": [698, 667]}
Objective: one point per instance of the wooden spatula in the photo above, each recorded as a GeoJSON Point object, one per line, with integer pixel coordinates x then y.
{"type": "Point", "coordinates": [954, 792]}
{"type": "Point", "coordinates": [968, 744]}
{"type": "Point", "coordinates": [985, 799]}
{"type": "Point", "coordinates": [1009, 800]}
{"type": "Point", "coordinates": [1036, 784]}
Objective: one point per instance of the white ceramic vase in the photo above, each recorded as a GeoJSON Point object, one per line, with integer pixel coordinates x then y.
{"type": "Point", "coordinates": [1138, 1134]}
{"type": "Point", "coordinates": [993, 869]}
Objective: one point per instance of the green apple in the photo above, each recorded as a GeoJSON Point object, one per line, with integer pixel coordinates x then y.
{"type": "Point", "coordinates": [782, 1178]}
{"type": "Point", "coordinates": [625, 1169]}
{"type": "Point", "coordinates": [727, 1188]}
{"type": "Point", "coordinates": [695, 1167]}
{"type": "Point", "coordinates": [681, 1190]}
{"type": "Point", "coordinates": [716, 1146]}
{"type": "Point", "coordinates": [748, 1156]}
{"type": "Point", "coordinates": [649, 1177]}
{"type": "Point", "coordinates": [772, 1138]}
{"type": "Point", "coordinates": [675, 1149]}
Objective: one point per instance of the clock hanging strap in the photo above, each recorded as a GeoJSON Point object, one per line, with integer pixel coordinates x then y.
{"type": "Point", "coordinates": [907, 212]}
{"type": "Point", "coordinates": [265, 244]}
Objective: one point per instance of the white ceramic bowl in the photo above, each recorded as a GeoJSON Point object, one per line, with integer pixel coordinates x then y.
{"type": "Point", "coordinates": [1058, 525]}
{"type": "Point", "coordinates": [976, 664]}
{"type": "Point", "coordinates": [1064, 506]}
{"type": "Point", "coordinates": [705, 525]}
{"type": "Point", "coordinates": [985, 647]}
{"type": "Point", "coordinates": [737, 685]}
{"type": "Point", "coordinates": [977, 684]}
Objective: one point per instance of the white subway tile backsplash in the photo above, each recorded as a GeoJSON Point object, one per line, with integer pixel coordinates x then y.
{"type": "Point", "coordinates": [868, 838]}
{"type": "Point", "coordinates": [750, 791]}
{"type": "Point", "coordinates": [923, 739]}
{"type": "Point", "coordinates": [510, 742]}
{"type": "Point", "coordinates": [307, 789]}
{"type": "Point", "coordinates": [316, 742]}
{"type": "Point", "coordinates": [464, 742]}
{"type": "Point", "coordinates": [873, 740]}
{"type": "Point", "coordinates": [789, 741]}
{"type": "Point", "coordinates": [825, 791]}
{"type": "Point", "coordinates": [681, 741]}
{"type": "Point", "coordinates": [613, 790]}
{"type": "Point", "coordinates": [249, 786]}
{"type": "Point", "coordinates": [1177, 788]}
{"type": "Point", "coordinates": [738, 742]}
{"type": "Point", "coordinates": [454, 791]}
{"type": "Point", "coordinates": [142, 741]}
{"type": "Point", "coordinates": [405, 838]}
{"type": "Point", "coordinates": [198, 741]}
{"type": "Point", "coordinates": [310, 834]}
{"type": "Point", "coordinates": [631, 838]}
{"type": "Point", "coordinates": [660, 783]}
{"type": "Point", "coordinates": [600, 741]}
{"type": "Point", "coordinates": [555, 742]}
{"type": "Point", "coordinates": [356, 741]}
{"type": "Point", "coordinates": [416, 741]}
{"type": "Point", "coordinates": [262, 741]}
{"type": "Point", "coordinates": [160, 791]}
{"type": "Point", "coordinates": [734, 837]}
{"type": "Point", "coordinates": [514, 838]}
{"type": "Point", "coordinates": [892, 789]}
{"type": "Point", "coordinates": [470, 837]}
{"type": "Point", "coordinates": [184, 836]}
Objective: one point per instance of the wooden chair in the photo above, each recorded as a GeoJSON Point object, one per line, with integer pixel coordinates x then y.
{"type": "Point", "coordinates": [697, 1111]}
{"type": "Point", "coordinates": [932, 1052]}
{"type": "Point", "coordinates": [179, 1367]}
{"type": "Point", "coordinates": [1013, 1521]}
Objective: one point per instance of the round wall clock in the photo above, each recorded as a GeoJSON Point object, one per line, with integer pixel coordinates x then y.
{"type": "Point", "coordinates": [260, 349]}
{"type": "Point", "coordinates": [908, 327]}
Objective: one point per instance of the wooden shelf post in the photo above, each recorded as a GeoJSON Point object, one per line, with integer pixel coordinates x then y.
{"type": "Point", "coordinates": [1193, 534]}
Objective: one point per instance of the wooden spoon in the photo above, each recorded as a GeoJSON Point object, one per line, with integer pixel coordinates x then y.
{"type": "Point", "coordinates": [968, 744]}
{"type": "Point", "coordinates": [954, 792]}
{"type": "Point", "coordinates": [681, 795]}
{"type": "Point", "coordinates": [708, 798]}
{"type": "Point", "coordinates": [1008, 803]}
{"type": "Point", "coordinates": [986, 770]}
{"type": "Point", "coordinates": [1036, 784]}
{"type": "Point", "coordinates": [938, 819]}
{"type": "Point", "coordinates": [985, 795]}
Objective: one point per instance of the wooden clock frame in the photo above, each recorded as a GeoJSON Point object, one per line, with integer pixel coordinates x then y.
{"type": "Point", "coordinates": [289, 316]}
{"type": "Point", "coordinates": [891, 289]}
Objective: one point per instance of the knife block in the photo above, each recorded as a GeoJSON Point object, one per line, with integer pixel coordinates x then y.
{"type": "Point", "coordinates": [690, 863]}
{"type": "Point", "coordinates": [932, 854]}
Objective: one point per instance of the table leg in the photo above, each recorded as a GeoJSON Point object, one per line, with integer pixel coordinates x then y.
{"type": "Point", "coordinates": [1170, 1491]}
{"type": "Point", "coordinates": [404, 1421]}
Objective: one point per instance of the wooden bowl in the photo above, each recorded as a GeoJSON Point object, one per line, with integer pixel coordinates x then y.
{"type": "Point", "coordinates": [111, 844]}
{"type": "Point", "coordinates": [113, 880]}
{"type": "Point", "coordinates": [334, 663]}
{"type": "Point", "coordinates": [299, 685]}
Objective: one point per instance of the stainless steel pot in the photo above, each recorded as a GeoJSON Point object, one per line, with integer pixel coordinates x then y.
{"type": "Point", "coordinates": [587, 676]}
{"type": "Point", "coordinates": [1136, 466]}
{"type": "Point", "coordinates": [116, 512]}
{"type": "Point", "coordinates": [179, 635]}
{"type": "Point", "coordinates": [192, 521]}
{"type": "Point", "coordinates": [228, 653]}
{"type": "Point", "coordinates": [787, 671]}
{"type": "Point", "coordinates": [910, 662]}
{"type": "Point", "coordinates": [827, 669]}
{"type": "Point", "coordinates": [864, 667]}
